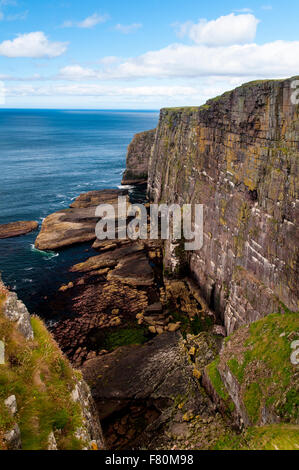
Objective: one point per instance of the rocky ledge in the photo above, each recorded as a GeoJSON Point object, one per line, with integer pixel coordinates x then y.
{"type": "Point", "coordinates": [76, 224]}
{"type": "Point", "coordinates": [15, 229]}
{"type": "Point", "coordinates": [161, 404]}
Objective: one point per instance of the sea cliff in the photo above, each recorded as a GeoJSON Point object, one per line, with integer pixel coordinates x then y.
{"type": "Point", "coordinates": [238, 156]}
{"type": "Point", "coordinates": [180, 349]}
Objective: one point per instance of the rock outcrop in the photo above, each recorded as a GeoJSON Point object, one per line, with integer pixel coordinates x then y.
{"type": "Point", "coordinates": [15, 229]}
{"type": "Point", "coordinates": [160, 403]}
{"type": "Point", "coordinates": [76, 224]}
{"type": "Point", "coordinates": [238, 156]}
{"type": "Point", "coordinates": [44, 403]}
{"type": "Point", "coordinates": [15, 310]}
{"type": "Point", "coordinates": [137, 158]}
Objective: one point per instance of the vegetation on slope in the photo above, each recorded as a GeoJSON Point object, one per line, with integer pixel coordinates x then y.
{"type": "Point", "coordinates": [263, 368]}
{"type": "Point", "coordinates": [42, 381]}
{"type": "Point", "coordinates": [271, 437]}
{"type": "Point", "coordinates": [259, 358]}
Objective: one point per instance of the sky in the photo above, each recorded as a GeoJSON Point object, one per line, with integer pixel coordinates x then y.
{"type": "Point", "coordinates": [135, 54]}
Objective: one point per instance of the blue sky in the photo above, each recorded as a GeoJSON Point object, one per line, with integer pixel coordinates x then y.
{"type": "Point", "coordinates": [140, 55]}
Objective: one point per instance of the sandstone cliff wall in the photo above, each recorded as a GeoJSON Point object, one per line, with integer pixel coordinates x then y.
{"type": "Point", "coordinates": [137, 158]}
{"type": "Point", "coordinates": [237, 155]}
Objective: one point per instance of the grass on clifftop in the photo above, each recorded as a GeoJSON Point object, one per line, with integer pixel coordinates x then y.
{"type": "Point", "coordinates": [259, 357]}
{"type": "Point", "coordinates": [271, 437]}
{"type": "Point", "coordinates": [42, 380]}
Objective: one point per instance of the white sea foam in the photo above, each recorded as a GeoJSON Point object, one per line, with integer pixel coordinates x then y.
{"type": "Point", "coordinates": [46, 254]}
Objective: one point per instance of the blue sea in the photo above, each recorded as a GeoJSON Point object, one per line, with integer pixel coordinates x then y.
{"type": "Point", "coordinates": [47, 158]}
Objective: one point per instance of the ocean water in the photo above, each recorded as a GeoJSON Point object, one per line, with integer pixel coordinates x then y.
{"type": "Point", "coordinates": [47, 158]}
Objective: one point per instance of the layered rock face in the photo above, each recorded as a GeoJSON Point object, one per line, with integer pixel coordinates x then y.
{"type": "Point", "coordinates": [137, 158]}
{"type": "Point", "coordinates": [238, 156]}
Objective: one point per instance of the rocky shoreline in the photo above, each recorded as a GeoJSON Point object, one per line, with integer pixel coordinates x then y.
{"type": "Point", "coordinates": [117, 307]}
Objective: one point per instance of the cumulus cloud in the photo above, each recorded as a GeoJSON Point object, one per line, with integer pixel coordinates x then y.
{"type": "Point", "coordinates": [216, 61]}
{"type": "Point", "coordinates": [34, 45]}
{"type": "Point", "coordinates": [275, 59]}
{"type": "Point", "coordinates": [244, 10]}
{"type": "Point", "coordinates": [87, 23]}
{"type": "Point", "coordinates": [127, 29]}
{"type": "Point", "coordinates": [224, 31]}
{"type": "Point", "coordinates": [108, 60]}
{"type": "Point", "coordinates": [76, 72]}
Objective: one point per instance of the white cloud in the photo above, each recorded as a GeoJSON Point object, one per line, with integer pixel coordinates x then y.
{"type": "Point", "coordinates": [1, 16]}
{"type": "Point", "coordinates": [96, 90]}
{"type": "Point", "coordinates": [18, 16]}
{"type": "Point", "coordinates": [210, 65]}
{"type": "Point", "coordinates": [34, 45]}
{"type": "Point", "coordinates": [224, 31]}
{"type": "Point", "coordinates": [267, 7]}
{"type": "Point", "coordinates": [127, 29]}
{"type": "Point", "coordinates": [2, 93]}
{"type": "Point", "coordinates": [76, 72]}
{"type": "Point", "coordinates": [276, 59]}
{"type": "Point", "coordinates": [92, 21]}
{"type": "Point", "coordinates": [8, 2]}
{"type": "Point", "coordinates": [89, 22]}
{"type": "Point", "coordinates": [244, 10]}
{"type": "Point", "coordinates": [109, 60]}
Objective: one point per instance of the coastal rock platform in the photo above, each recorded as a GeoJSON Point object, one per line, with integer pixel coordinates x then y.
{"type": "Point", "coordinates": [76, 224]}
{"type": "Point", "coordinates": [15, 229]}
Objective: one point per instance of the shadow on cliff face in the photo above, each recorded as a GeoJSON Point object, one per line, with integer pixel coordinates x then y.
{"type": "Point", "coordinates": [123, 428]}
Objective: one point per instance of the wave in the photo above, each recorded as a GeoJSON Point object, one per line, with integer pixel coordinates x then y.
{"type": "Point", "coordinates": [125, 186]}
{"type": "Point", "coordinates": [46, 254]}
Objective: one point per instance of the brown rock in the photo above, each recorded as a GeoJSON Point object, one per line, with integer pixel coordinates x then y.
{"type": "Point", "coordinates": [94, 198]}
{"type": "Point", "coordinates": [173, 326]}
{"type": "Point", "coordinates": [239, 155]}
{"type": "Point", "coordinates": [67, 227]}
{"type": "Point", "coordinates": [107, 259]}
{"type": "Point", "coordinates": [15, 229]}
{"type": "Point", "coordinates": [137, 158]}
{"type": "Point", "coordinates": [134, 270]}
{"type": "Point", "coordinates": [77, 224]}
